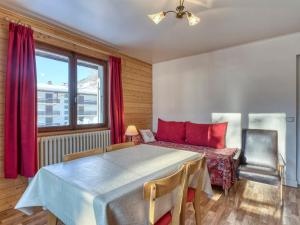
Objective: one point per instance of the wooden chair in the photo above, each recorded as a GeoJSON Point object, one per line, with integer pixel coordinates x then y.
{"type": "Point", "coordinates": [115, 147]}
{"type": "Point", "coordinates": [52, 219]}
{"type": "Point", "coordinates": [193, 194]}
{"type": "Point", "coordinates": [160, 187]}
{"type": "Point", "coordinates": [78, 155]}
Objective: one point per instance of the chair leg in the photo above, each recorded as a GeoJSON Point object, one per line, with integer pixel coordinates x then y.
{"type": "Point", "coordinates": [197, 212]}
{"type": "Point", "coordinates": [52, 219]}
{"type": "Point", "coordinates": [183, 213]}
{"type": "Point", "coordinates": [237, 195]}
{"type": "Point", "coordinates": [281, 193]}
{"type": "Point", "coordinates": [226, 192]}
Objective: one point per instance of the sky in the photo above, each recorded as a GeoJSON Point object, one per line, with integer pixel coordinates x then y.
{"type": "Point", "coordinates": [51, 70]}
{"type": "Point", "coordinates": [57, 71]}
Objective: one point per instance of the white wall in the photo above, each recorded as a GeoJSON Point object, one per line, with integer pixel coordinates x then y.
{"type": "Point", "coordinates": [259, 77]}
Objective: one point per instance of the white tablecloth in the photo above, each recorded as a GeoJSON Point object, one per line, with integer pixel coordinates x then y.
{"type": "Point", "coordinates": [107, 188]}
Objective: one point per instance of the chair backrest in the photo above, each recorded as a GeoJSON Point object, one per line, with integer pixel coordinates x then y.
{"type": "Point", "coordinates": [119, 146]}
{"type": "Point", "coordinates": [260, 148]}
{"type": "Point", "coordinates": [193, 167]}
{"type": "Point", "coordinates": [78, 155]}
{"type": "Point", "coordinates": [157, 188]}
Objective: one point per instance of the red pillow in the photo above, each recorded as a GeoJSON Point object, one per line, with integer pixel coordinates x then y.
{"type": "Point", "coordinates": [197, 134]}
{"type": "Point", "coordinates": [217, 135]}
{"type": "Point", "coordinates": [171, 131]}
{"type": "Point", "coordinates": [210, 135]}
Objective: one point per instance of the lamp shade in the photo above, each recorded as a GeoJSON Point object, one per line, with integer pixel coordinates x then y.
{"type": "Point", "coordinates": [131, 131]}
{"type": "Point", "coordinates": [157, 17]}
{"type": "Point", "coordinates": [193, 20]}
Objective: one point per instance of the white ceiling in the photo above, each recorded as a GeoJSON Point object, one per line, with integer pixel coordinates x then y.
{"type": "Point", "coordinates": [125, 25]}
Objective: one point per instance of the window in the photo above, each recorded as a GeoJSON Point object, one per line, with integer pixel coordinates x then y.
{"type": "Point", "coordinates": [71, 90]}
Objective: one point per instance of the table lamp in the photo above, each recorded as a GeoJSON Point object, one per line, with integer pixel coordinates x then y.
{"type": "Point", "coordinates": [131, 131]}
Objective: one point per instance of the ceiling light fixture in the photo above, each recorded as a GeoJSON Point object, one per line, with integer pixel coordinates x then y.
{"type": "Point", "coordinates": [180, 13]}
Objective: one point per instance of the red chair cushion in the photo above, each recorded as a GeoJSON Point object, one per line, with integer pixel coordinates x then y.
{"type": "Point", "coordinates": [165, 219]}
{"type": "Point", "coordinates": [191, 194]}
{"type": "Point", "coordinates": [171, 131]}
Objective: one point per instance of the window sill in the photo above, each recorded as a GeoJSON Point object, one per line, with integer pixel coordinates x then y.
{"type": "Point", "coordinates": [64, 132]}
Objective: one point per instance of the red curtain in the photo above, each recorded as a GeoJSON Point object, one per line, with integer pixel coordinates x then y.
{"type": "Point", "coordinates": [116, 101]}
{"type": "Point", "coordinates": [20, 137]}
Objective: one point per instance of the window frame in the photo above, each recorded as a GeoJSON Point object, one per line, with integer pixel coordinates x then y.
{"type": "Point", "coordinates": [72, 78]}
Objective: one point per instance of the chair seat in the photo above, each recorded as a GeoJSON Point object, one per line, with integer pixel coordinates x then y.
{"type": "Point", "coordinates": [165, 219]}
{"type": "Point", "coordinates": [258, 173]}
{"type": "Point", "coordinates": [191, 194]}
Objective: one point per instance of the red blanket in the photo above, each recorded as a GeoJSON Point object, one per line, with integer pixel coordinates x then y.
{"type": "Point", "coordinates": [220, 162]}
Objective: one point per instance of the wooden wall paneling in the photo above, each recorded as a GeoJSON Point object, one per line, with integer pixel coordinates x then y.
{"type": "Point", "coordinates": [137, 91]}
{"type": "Point", "coordinates": [137, 86]}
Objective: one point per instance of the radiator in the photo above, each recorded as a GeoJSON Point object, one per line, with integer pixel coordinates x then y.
{"type": "Point", "coordinates": [53, 148]}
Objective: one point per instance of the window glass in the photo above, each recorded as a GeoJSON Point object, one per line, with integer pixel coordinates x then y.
{"type": "Point", "coordinates": [53, 89]}
{"type": "Point", "coordinates": [90, 89]}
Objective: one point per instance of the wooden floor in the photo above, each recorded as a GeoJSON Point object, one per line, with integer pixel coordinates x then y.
{"type": "Point", "coordinates": [252, 203]}
{"type": "Point", "coordinates": [247, 203]}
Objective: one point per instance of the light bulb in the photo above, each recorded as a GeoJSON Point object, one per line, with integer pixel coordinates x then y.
{"type": "Point", "coordinates": [157, 17]}
{"type": "Point", "coordinates": [193, 20]}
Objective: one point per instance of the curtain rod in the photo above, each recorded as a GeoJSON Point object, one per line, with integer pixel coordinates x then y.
{"type": "Point", "coordinates": [17, 22]}
{"type": "Point", "coordinates": [57, 37]}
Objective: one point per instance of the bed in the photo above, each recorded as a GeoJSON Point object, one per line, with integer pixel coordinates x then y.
{"type": "Point", "coordinates": [221, 163]}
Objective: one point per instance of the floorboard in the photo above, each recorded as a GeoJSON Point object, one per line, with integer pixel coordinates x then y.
{"type": "Point", "coordinates": [247, 203]}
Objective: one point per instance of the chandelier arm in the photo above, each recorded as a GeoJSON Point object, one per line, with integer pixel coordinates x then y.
{"type": "Point", "coordinates": [187, 13]}
{"type": "Point", "coordinates": [170, 11]}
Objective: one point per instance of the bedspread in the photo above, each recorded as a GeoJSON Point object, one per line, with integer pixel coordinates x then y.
{"type": "Point", "coordinates": [220, 162]}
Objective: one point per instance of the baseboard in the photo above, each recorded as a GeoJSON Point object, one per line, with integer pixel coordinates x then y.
{"type": "Point", "coordinates": [291, 182]}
